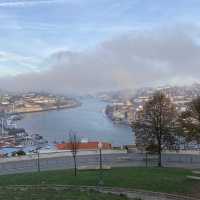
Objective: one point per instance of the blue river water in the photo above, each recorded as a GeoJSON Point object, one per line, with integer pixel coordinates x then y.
{"type": "Point", "coordinates": [88, 120]}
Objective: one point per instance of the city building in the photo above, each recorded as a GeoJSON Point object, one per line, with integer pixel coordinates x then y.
{"type": "Point", "coordinates": [85, 146]}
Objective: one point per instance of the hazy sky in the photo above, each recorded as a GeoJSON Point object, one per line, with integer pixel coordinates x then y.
{"type": "Point", "coordinates": [92, 45]}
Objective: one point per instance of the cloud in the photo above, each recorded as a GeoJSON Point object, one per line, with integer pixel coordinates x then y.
{"type": "Point", "coordinates": [159, 56]}
{"type": "Point", "coordinates": [15, 63]}
{"type": "Point", "coordinates": [22, 3]}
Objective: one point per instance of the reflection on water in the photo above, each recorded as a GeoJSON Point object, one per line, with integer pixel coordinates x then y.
{"type": "Point", "coordinates": [88, 121]}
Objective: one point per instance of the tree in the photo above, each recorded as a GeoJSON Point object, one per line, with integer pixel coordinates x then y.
{"type": "Point", "coordinates": [190, 121]}
{"type": "Point", "coordinates": [19, 153]}
{"type": "Point", "coordinates": [156, 124]}
{"type": "Point", "coordinates": [74, 142]}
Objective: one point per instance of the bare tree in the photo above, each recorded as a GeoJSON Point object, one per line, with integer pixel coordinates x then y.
{"type": "Point", "coordinates": [190, 121]}
{"type": "Point", "coordinates": [156, 124]}
{"type": "Point", "coordinates": [74, 142]}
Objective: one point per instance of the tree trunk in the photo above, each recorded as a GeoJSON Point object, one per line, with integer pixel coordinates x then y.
{"type": "Point", "coordinates": [159, 159]}
{"type": "Point", "coordinates": [75, 167]}
{"type": "Point", "coordinates": [159, 154]}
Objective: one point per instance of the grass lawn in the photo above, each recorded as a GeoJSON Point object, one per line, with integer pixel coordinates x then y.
{"type": "Point", "coordinates": [154, 179]}
{"type": "Point", "coordinates": [50, 194]}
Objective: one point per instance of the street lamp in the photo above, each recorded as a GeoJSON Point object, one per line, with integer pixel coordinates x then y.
{"type": "Point", "coordinates": [100, 179]}
{"type": "Point", "coordinates": [100, 145]}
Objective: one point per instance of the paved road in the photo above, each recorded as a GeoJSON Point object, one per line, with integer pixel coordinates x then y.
{"type": "Point", "coordinates": [29, 164]}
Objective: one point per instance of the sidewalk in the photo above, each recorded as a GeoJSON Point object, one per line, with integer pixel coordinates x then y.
{"type": "Point", "coordinates": [130, 193]}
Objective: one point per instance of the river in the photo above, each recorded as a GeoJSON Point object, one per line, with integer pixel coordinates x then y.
{"type": "Point", "coordinates": [88, 121]}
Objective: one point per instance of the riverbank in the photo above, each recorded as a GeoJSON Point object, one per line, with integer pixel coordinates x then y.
{"type": "Point", "coordinates": [41, 109]}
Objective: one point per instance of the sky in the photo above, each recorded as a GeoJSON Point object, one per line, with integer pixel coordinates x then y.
{"type": "Point", "coordinates": [95, 45]}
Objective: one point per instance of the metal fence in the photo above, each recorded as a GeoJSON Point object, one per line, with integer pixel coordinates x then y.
{"type": "Point", "coordinates": [35, 163]}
